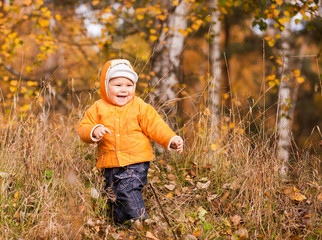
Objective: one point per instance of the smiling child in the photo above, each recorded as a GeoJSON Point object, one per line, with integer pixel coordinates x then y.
{"type": "Point", "coordinates": [122, 125]}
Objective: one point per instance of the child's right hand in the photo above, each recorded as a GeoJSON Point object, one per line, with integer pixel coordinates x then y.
{"type": "Point", "coordinates": [100, 131]}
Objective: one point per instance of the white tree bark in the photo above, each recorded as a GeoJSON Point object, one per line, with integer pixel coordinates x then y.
{"type": "Point", "coordinates": [284, 121]}
{"type": "Point", "coordinates": [215, 68]}
{"type": "Point", "coordinates": [166, 59]}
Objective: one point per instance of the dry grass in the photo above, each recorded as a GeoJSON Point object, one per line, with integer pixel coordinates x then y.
{"type": "Point", "coordinates": [230, 191]}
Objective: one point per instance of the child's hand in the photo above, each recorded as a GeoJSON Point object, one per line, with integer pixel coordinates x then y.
{"type": "Point", "coordinates": [177, 143]}
{"type": "Point", "coordinates": [100, 131]}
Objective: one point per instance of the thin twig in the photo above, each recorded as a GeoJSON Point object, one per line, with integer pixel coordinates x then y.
{"type": "Point", "coordinates": [164, 215]}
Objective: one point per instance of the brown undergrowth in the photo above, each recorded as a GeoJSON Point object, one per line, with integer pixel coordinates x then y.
{"type": "Point", "coordinates": [227, 188]}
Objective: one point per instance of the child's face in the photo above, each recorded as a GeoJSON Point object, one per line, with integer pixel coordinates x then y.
{"type": "Point", "coordinates": [120, 91]}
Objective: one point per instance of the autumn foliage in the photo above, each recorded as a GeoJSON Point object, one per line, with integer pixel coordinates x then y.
{"type": "Point", "coordinates": [223, 187]}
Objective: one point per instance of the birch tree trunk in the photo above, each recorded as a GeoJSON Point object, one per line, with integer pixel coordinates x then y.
{"type": "Point", "coordinates": [166, 60]}
{"type": "Point", "coordinates": [284, 121]}
{"type": "Point", "coordinates": [215, 67]}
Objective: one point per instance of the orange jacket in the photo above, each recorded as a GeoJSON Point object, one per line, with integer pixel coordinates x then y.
{"type": "Point", "coordinates": [132, 126]}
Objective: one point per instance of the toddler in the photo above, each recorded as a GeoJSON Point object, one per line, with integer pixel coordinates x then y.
{"type": "Point", "coordinates": [122, 125]}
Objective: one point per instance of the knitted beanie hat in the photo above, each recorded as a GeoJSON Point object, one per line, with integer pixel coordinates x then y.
{"type": "Point", "coordinates": [120, 68]}
{"type": "Point", "coordinates": [115, 68]}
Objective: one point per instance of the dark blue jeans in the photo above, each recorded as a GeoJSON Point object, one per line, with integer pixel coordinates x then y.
{"type": "Point", "coordinates": [127, 183]}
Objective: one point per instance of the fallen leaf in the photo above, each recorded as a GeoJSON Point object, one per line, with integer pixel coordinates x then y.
{"type": "Point", "coordinates": [138, 224]}
{"type": "Point", "coordinates": [236, 220]}
{"type": "Point", "coordinates": [94, 193]}
{"type": "Point", "coordinates": [212, 197]}
{"type": "Point", "coordinates": [200, 185]}
{"type": "Point", "coordinates": [234, 185]}
{"type": "Point", "coordinates": [169, 195]}
{"type": "Point", "coordinates": [242, 233]}
{"type": "Point", "coordinates": [196, 233]}
{"type": "Point", "coordinates": [288, 191]}
{"type": "Point", "coordinates": [298, 197]}
{"type": "Point", "coordinates": [170, 187]}
{"type": "Point", "coordinates": [320, 197]}
{"type": "Point", "coordinates": [97, 228]}
{"type": "Point", "coordinates": [150, 235]}
{"type": "Point", "coordinates": [162, 162]}
{"type": "Point", "coordinates": [17, 195]}
{"type": "Point", "coordinates": [90, 222]}
{"type": "Point", "coordinates": [191, 237]}
{"type": "Point", "coordinates": [192, 173]}
{"type": "Point", "coordinates": [201, 213]}
{"type": "Point", "coordinates": [171, 176]}
{"type": "Point", "coordinates": [177, 192]}
{"type": "Point", "coordinates": [169, 168]}
{"type": "Point", "coordinates": [224, 197]}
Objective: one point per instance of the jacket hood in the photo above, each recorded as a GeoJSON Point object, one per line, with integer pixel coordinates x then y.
{"type": "Point", "coordinates": [108, 68]}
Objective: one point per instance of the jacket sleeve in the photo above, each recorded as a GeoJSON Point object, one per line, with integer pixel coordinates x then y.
{"type": "Point", "coordinates": [88, 123]}
{"type": "Point", "coordinates": [155, 127]}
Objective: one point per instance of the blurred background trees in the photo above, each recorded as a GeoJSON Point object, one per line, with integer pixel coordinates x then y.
{"type": "Point", "coordinates": [219, 58]}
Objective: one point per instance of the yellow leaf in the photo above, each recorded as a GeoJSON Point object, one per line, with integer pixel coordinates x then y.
{"type": "Point", "coordinates": [17, 195]}
{"type": "Point", "coordinates": [298, 197]}
{"type": "Point", "coordinates": [95, 2]}
{"type": "Point", "coordinates": [300, 79]}
{"type": "Point", "coordinates": [297, 72]}
{"type": "Point", "coordinates": [97, 228]}
{"type": "Point", "coordinates": [226, 96]}
{"type": "Point", "coordinates": [283, 20]}
{"type": "Point", "coordinates": [279, 2]}
{"type": "Point", "coordinates": [162, 17]}
{"type": "Point", "coordinates": [241, 130]}
{"type": "Point", "coordinates": [175, 3]}
{"type": "Point", "coordinates": [12, 89]}
{"type": "Point", "coordinates": [195, 26]}
{"type": "Point", "coordinates": [207, 112]}
{"type": "Point", "coordinates": [183, 32]}
{"type": "Point", "coordinates": [32, 83]}
{"type": "Point", "coordinates": [58, 17]}
{"type": "Point", "coordinates": [276, 12]}
{"type": "Point", "coordinates": [270, 77]}
{"type": "Point", "coordinates": [153, 38]}
{"type": "Point", "coordinates": [28, 69]}
{"type": "Point", "coordinates": [5, 78]}
{"type": "Point", "coordinates": [169, 195]}
{"type": "Point", "coordinates": [139, 16]}
{"type": "Point", "coordinates": [196, 233]}
{"type": "Point", "coordinates": [44, 22]}
{"type": "Point", "coordinates": [27, 2]}
{"type": "Point", "coordinates": [231, 125]}
{"type": "Point", "coordinates": [25, 107]}
{"type": "Point", "coordinates": [23, 90]}
{"type": "Point", "coordinates": [271, 84]}
{"type": "Point", "coordinates": [214, 146]}
{"type": "Point", "coordinates": [271, 42]}
{"type": "Point", "coordinates": [14, 82]}
{"type": "Point", "coordinates": [279, 62]}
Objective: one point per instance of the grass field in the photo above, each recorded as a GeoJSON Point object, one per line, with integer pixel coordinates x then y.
{"type": "Point", "coordinates": [50, 188]}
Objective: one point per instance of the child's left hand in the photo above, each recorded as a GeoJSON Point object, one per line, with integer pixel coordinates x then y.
{"type": "Point", "coordinates": [177, 143]}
